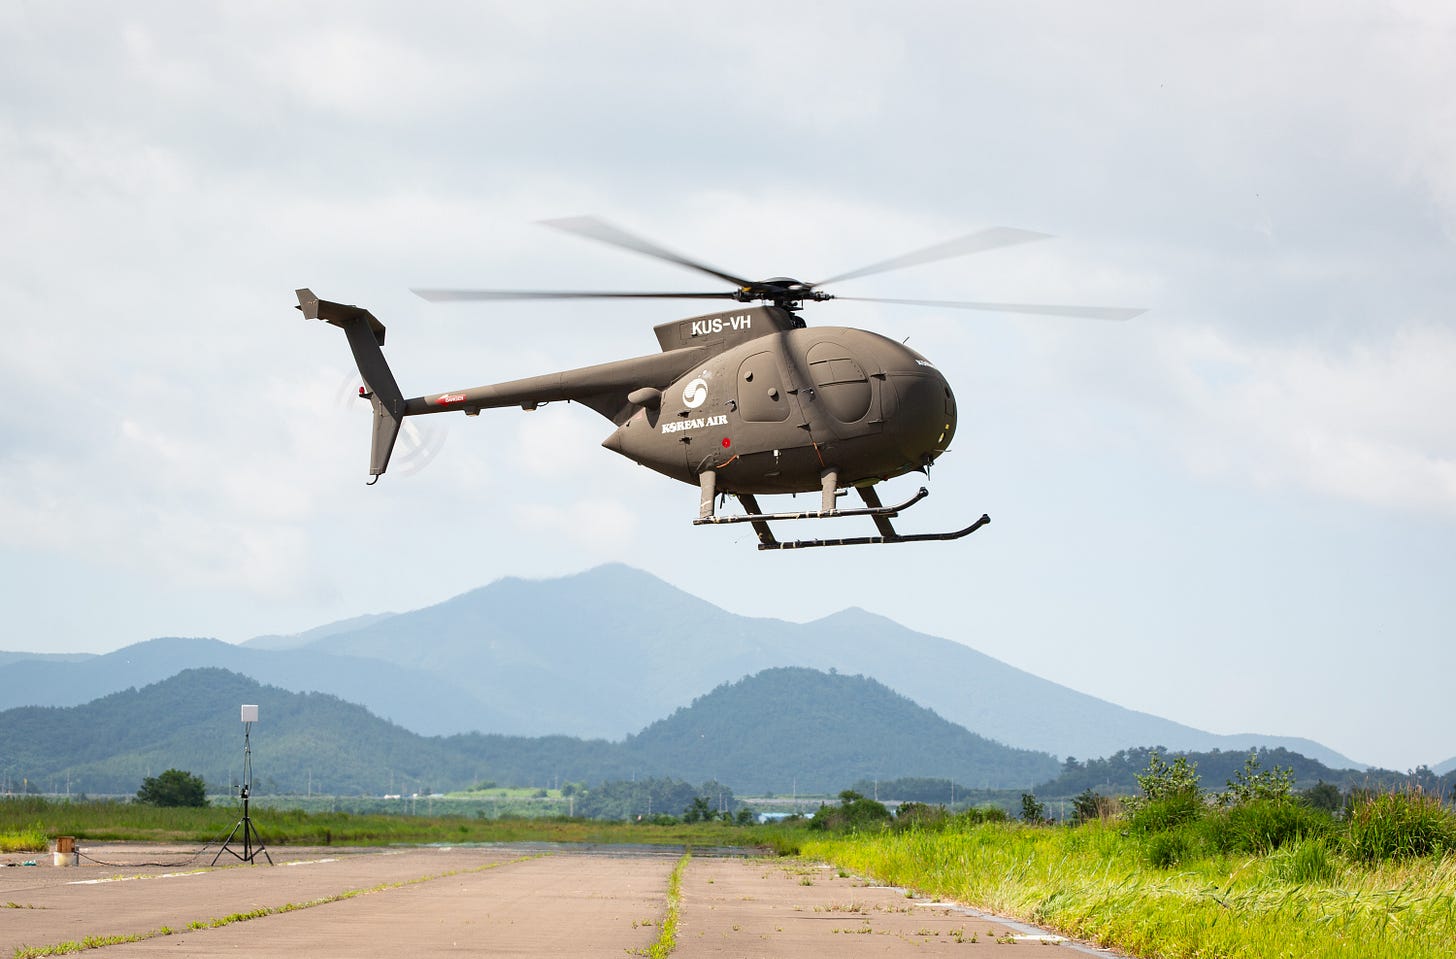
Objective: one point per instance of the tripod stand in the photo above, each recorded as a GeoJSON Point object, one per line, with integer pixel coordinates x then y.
{"type": "Point", "coordinates": [252, 842]}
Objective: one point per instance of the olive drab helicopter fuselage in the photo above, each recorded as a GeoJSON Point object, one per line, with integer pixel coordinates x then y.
{"type": "Point", "coordinates": [747, 401]}
{"type": "Point", "coordinates": [775, 410]}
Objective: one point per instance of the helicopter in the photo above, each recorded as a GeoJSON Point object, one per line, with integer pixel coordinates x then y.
{"type": "Point", "coordinates": [746, 401]}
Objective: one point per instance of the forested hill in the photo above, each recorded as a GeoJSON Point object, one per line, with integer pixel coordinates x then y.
{"type": "Point", "coordinates": [192, 722]}
{"type": "Point", "coordinates": [823, 731]}
{"type": "Point", "coordinates": [780, 730]}
{"type": "Point", "coordinates": [1117, 774]}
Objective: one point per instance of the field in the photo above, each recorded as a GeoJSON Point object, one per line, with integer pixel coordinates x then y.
{"type": "Point", "coordinates": [1177, 877]}
{"type": "Point", "coordinates": [1311, 898]}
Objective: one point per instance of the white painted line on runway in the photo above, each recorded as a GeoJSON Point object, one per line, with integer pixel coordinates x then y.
{"type": "Point", "coordinates": [165, 875]}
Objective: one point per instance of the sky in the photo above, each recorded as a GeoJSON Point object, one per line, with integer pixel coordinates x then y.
{"type": "Point", "coordinates": [1235, 511]}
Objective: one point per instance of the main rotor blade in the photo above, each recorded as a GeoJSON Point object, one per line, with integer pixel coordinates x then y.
{"type": "Point", "coordinates": [604, 232]}
{"type": "Point", "coordinates": [992, 239]}
{"type": "Point", "coordinates": [1039, 309]}
{"type": "Point", "coordinates": [447, 296]}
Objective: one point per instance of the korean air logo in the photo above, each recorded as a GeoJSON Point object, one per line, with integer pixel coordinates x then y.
{"type": "Point", "coordinates": [695, 394]}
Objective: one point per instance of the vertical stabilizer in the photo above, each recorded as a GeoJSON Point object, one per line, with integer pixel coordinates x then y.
{"type": "Point", "coordinates": [366, 337]}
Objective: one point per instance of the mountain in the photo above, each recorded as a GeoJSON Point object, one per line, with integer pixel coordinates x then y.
{"type": "Point", "coordinates": [1441, 769]}
{"type": "Point", "coordinates": [1016, 707]}
{"type": "Point", "coordinates": [390, 690]}
{"type": "Point", "coordinates": [603, 653]}
{"type": "Point", "coordinates": [294, 640]}
{"type": "Point", "coordinates": [782, 730]}
{"type": "Point", "coordinates": [6, 658]}
{"type": "Point", "coordinates": [640, 648]}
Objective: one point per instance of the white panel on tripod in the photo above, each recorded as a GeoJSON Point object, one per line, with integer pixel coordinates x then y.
{"type": "Point", "coordinates": [250, 714]}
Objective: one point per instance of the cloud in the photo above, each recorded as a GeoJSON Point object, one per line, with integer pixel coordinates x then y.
{"type": "Point", "coordinates": [204, 498]}
{"type": "Point", "coordinates": [1368, 423]}
{"type": "Point", "coordinates": [561, 443]}
{"type": "Point", "coordinates": [595, 527]}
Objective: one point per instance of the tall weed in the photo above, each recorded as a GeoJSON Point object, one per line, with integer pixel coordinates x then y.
{"type": "Point", "coordinates": [1303, 862]}
{"type": "Point", "coordinates": [1166, 812]}
{"type": "Point", "coordinates": [1398, 826]}
{"type": "Point", "coordinates": [24, 839]}
{"type": "Point", "coordinates": [1172, 847]}
{"type": "Point", "coordinates": [1263, 825]}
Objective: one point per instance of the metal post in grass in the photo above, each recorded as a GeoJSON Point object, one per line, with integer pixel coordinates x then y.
{"type": "Point", "coordinates": [249, 831]}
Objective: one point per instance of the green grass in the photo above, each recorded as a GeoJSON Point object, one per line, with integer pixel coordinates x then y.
{"type": "Point", "coordinates": [667, 934]}
{"type": "Point", "coordinates": [1307, 897]}
{"type": "Point", "coordinates": [491, 804]}
{"type": "Point", "coordinates": [16, 838]}
{"type": "Point", "coordinates": [110, 821]}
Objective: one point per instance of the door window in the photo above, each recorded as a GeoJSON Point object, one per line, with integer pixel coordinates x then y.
{"type": "Point", "coordinates": [760, 390]}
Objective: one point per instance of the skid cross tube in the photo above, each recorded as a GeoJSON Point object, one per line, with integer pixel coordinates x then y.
{"type": "Point", "coordinates": [873, 509]}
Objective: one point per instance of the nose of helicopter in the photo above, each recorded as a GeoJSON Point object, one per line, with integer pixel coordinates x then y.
{"type": "Point", "coordinates": [926, 416]}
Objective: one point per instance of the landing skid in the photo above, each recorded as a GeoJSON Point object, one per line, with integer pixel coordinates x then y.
{"type": "Point", "coordinates": [873, 508]}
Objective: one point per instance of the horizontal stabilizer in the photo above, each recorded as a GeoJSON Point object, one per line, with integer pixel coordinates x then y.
{"type": "Point", "coordinates": [339, 314]}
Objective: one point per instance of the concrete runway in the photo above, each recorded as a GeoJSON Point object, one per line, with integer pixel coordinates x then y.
{"type": "Point", "coordinates": [511, 900]}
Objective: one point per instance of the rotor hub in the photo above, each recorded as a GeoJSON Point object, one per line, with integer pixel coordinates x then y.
{"type": "Point", "coordinates": [782, 291]}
